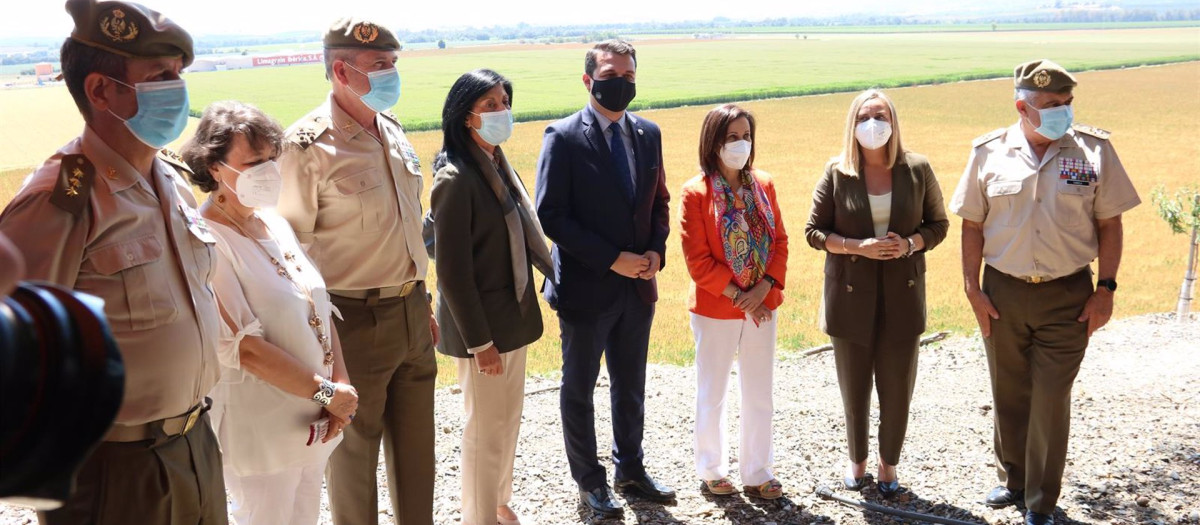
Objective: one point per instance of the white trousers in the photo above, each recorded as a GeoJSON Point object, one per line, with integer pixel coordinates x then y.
{"type": "Point", "coordinates": [291, 496]}
{"type": "Point", "coordinates": [718, 342]}
{"type": "Point", "coordinates": [489, 444]}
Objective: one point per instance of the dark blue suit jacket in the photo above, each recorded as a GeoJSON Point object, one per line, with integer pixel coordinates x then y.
{"type": "Point", "coordinates": [590, 219]}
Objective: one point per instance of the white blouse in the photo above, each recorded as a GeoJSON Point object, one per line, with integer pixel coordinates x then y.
{"type": "Point", "coordinates": [881, 212]}
{"type": "Point", "coordinates": [261, 428]}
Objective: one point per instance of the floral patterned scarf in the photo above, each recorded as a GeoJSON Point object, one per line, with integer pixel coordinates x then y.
{"type": "Point", "coordinates": [746, 226]}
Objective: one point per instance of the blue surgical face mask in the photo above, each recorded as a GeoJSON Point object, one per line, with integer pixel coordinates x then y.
{"type": "Point", "coordinates": [495, 127]}
{"type": "Point", "coordinates": [385, 88]}
{"type": "Point", "coordinates": [1055, 121]}
{"type": "Point", "coordinates": [162, 111]}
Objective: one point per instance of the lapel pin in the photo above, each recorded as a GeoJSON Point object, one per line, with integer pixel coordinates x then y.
{"type": "Point", "coordinates": [640, 131]}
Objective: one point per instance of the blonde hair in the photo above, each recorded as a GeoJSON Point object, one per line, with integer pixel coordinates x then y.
{"type": "Point", "coordinates": [851, 159]}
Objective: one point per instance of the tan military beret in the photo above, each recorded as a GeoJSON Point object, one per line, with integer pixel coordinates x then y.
{"type": "Point", "coordinates": [129, 29]}
{"type": "Point", "coordinates": [356, 33]}
{"type": "Point", "coordinates": [1043, 75]}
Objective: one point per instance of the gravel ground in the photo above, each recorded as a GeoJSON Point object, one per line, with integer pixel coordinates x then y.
{"type": "Point", "coordinates": [1134, 456]}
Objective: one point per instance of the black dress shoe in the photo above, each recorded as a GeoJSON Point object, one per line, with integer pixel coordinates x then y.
{"type": "Point", "coordinates": [602, 501]}
{"type": "Point", "coordinates": [856, 484]}
{"type": "Point", "coordinates": [645, 487]}
{"type": "Point", "coordinates": [1001, 497]}
{"type": "Point", "coordinates": [1037, 518]}
{"type": "Point", "coordinates": [887, 489]}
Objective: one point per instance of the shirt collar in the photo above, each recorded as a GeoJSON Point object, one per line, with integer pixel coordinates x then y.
{"type": "Point", "coordinates": [110, 166]}
{"type": "Point", "coordinates": [342, 121]}
{"type": "Point", "coordinates": [604, 122]}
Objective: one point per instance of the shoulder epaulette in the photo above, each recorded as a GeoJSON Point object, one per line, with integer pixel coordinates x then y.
{"type": "Point", "coordinates": [172, 158]}
{"type": "Point", "coordinates": [1089, 130]}
{"type": "Point", "coordinates": [984, 139]}
{"type": "Point", "coordinates": [306, 132]}
{"type": "Point", "coordinates": [392, 117]}
{"type": "Point", "coordinates": [74, 187]}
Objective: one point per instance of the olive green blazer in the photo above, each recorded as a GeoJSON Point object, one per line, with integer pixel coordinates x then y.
{"type": "Point", "coordinates": [863, 296]}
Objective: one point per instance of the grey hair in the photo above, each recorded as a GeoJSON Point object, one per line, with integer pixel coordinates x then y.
{"type": "Point", "coordinates": [1025, 95]}
{"type": "Point", "coordinates": [333, 54]}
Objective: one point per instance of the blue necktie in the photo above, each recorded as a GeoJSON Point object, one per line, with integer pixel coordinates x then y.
{"type": "Point", "coordinates": [616, 150]}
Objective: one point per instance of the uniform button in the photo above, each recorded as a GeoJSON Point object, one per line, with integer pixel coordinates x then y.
{"type": "Point", "coordinates": [1039, 199]}
{"type": "Point", "coordinates": [362, 183]}
{"type": "Point", "coordinates": [911, 283]}
{"type": "Point", "coordinates": [849, 288]}
{"type": "Point", "coordinates": [853, 258]}
{"type": "Point", "coordinates": [129, 255]}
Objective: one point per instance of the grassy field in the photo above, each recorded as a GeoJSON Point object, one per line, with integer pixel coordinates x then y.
{"type": "Point", "coordinates": [929, 28]}
{"type": "Point", "coordinates": [797, 136]}
{"type": "Point", "coordinates": [672, 73]}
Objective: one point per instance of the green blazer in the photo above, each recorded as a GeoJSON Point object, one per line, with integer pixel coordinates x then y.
{"type": "Point", "coordinates": [476, 297]}
{"type": "Point", "coordinates": [862, 295]}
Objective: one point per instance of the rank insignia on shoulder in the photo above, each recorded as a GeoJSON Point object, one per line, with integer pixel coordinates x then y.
{"type": "Point", "coordinates": [984, 139]}
{"type": "Point", "coordinates": [172, 158]}
{"type": "Point", "coordinates": [1093, 131]}
{"type": "Point", "coordinates": [71, 193]}
{"type": "Point", "coordinates": [392, 117]}
{"type": "Point", "coordinates": [307, 131]}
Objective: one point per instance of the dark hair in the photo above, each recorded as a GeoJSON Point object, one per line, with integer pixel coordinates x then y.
{"type": "Point", "coordinates": [215, 133]}
{"type": "Point", "coordinates": [79, 61]}
{"type": "Point", "coordinates": [462, 97]}
{"type": "Point", "coordinates": [614, 46]}
{"type": "Point", "coordinates": [712, 136]}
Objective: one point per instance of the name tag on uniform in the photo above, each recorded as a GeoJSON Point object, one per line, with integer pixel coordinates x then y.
{"type": "Point", "coordinates": [196, 224]}
{"type": "Point", "coordinates": [1077, 172]}
{"type": "Point", "coordinates": [411, 161]}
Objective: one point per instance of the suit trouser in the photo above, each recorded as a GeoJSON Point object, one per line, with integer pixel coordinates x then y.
{"type": "Point", "coordinates": [891, 365]}
{"type": "Point", "coordinates": [389, 356]}
{"type": "Point", "coordinates": [489, 444]}
{"type": "Point", "coordinates": [718, 343]}
{"type": "Point", "coordinates": [1034, 354]}
{"type": "Point", "coordinates": [621, 334]}
{"type": "Point", "coordinates": [175, 482]}
{"type": "Point", "coordinates": [291, 496]}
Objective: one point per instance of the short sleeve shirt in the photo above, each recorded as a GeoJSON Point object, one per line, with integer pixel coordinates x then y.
{"type": "Point", "coordinates": [354, 201]}
{"type": "Point", "coordinates": [142, 248]}
{"type": "Point", "coordinates": [1039, 215]}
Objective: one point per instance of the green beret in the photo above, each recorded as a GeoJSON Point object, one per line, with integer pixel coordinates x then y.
{"type": "Point", "coordinates": [356, 33]}
{"type": "Point", "coordinates": [1043, 75]}
{"type": "Point", "coordinates": [129, 30]}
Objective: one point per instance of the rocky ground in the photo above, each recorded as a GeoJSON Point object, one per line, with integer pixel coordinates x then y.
{"type": "Point", "coordinates": [1134, 456]}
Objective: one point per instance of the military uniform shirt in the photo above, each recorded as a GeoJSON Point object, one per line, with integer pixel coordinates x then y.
{"type": "Point", "coordinates": [146, 254]}
{"type": "Point", "coordinates": [1038, 216]}
{"type": "Point", "coordinates": [353, 200]}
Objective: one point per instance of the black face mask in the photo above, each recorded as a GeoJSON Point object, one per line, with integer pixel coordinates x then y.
{"type": "Point", "coordinates": [615, 93]}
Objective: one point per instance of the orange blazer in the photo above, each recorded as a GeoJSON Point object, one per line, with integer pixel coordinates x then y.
{"type": "Point", "coordinates": [705, 254]}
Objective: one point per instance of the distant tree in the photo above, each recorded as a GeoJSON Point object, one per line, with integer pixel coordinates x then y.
{"type": "Point", "coordinates": [1181, 212]}
{"type": "Point", "coordinates": [441, 44]}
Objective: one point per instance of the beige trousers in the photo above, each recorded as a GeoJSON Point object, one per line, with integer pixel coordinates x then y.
{"type": "Point", "coordinates": [489, 443]}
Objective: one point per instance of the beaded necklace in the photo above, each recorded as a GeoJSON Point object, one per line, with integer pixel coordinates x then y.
{"type": "Point", "coordinates": [314, 319]}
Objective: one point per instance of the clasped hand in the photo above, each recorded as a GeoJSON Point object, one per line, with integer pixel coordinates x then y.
{"type": "Point", "coordinates": [634, 266]}
{"type": "Point", "coordinates": [890, 246]}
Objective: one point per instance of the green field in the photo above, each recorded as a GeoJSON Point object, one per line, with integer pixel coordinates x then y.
{"type": "Point", "coordinates": [672, 73]}
{"type": "Point", "coordinates": [927, 28]}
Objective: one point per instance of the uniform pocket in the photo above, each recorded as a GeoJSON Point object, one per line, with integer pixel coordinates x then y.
{"type": "Point", "coordinates": [144, 280]}
{"type": "Point", "coordinates": [1073, 204]}
{"type": "Point", "coordinates": [1002, 201]}
{"type": "Point", "coordinates": [368, 189]}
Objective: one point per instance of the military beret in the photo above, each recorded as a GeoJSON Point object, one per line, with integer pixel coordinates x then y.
{"type": "Point", "coordinates": [1043, 75]}
{"type": "Point", "coordinates": [128, 29]}
{"type": "Point", "coordinates": [356, 33]}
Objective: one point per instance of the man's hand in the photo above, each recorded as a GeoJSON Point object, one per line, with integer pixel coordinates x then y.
{"type": "Point", "coordinates": [1097, 311]}
{"type": "Point", "coordinates": [488, 362]}
{"type": "Point", "coordinates": [629, 264]}
{"type": "Point", "coordinates": [751, 299]}
{"type": "Point", "coordinates": [984, 311]}
{"type": "Point", "coordinates": [655, 262]}
{"type": "Point", "coordinates": [434, 330]}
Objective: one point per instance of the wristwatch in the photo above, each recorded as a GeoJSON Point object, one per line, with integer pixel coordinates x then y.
{"type": "Point", "coordinates": [324, 395]}
{"type": "Point", "coordinates": [1111, 284]}
{"type": "Point", "coordinates": [771, 280]}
